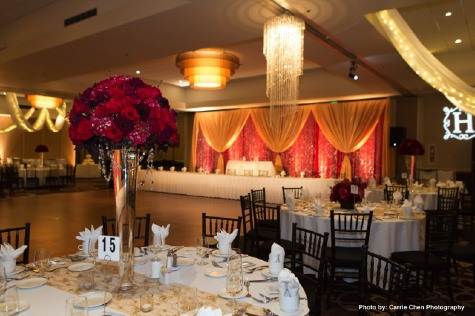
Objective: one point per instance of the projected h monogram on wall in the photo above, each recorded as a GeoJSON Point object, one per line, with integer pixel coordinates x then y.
{"type": "Point", "coordinates": [458, 124]}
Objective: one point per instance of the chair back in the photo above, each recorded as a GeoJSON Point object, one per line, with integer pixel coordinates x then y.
{"type": "Point", "coordinates": [350, 229]}
{"type": "Point", "coordinates": [447, 199]}
{"type": "Point", "coordinates": [246, 213]}
{"type": "Point", "coordinates": [141, 229]}
{"type": "Point", "coordinates": [440, 232]}
{"type": "Point", "coordinates": [258, 196]}
{"type": "Point", "coordinates": [384, 276]}
{"type": "Point", "coordinates": [17, 237]}
{"type": "Point", "coordinates": [297, 193]}
{"type": "Point", "coordinates": [307, 245]}
{"type": "Point", "coordinates": [211, 225]}
{"type": "Point", "coordinates": [390, 189]}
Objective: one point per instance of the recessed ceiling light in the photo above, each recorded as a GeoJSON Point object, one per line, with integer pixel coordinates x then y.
{"type": "Point", "coordinates": [448, 13]}
{"type": "Point", "coordinates": [137, 72]}
{"type": "Point", "coordinates": [458, 41]}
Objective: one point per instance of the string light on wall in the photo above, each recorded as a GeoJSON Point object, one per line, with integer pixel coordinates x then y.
{"type": "Point", "coordinates": [38, 102]}
{"type": "Point", "coordinates": [283, 50]}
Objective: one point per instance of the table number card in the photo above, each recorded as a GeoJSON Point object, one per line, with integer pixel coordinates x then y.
{"type": "Point", "coordinates": [109, 248]}
{"type": "Point", "coordinates": [354, 189]}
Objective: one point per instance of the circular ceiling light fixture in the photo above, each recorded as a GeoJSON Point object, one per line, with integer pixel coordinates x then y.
{"type": "Point", "coordinates": [207, 68]}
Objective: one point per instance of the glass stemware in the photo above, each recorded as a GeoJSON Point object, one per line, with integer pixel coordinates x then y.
{"type": "Point", "coordinates": [202, 250]}
{"type": "Point", "coordinates": [9, 301]}
{"type": "Point", "coordinates": [41, 260]}
{"type": "Point", "coordinates": [75, 306]}
{"type": "Point", "coordinates": [234, 278]}
{"type": "Point", "coordinates": [3, 281]}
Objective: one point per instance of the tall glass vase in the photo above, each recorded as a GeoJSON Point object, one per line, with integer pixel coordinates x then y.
{"type": "Point", "coordinates": [124, 172]}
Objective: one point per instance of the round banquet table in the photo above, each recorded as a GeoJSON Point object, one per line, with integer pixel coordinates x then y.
{"type": "Point", "coordinates": [429, 196]}
{"type": "Point", "coordinates": [386, 235]}
{"type": "Point", "coordinates": [188, 283]}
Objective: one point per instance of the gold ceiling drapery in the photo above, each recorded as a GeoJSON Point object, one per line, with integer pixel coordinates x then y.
{"type": "Point", "coordinates": [279, 132]}
{"type": "Point", "coordinates": [220, 130]}
{"type": "Point", "coordinates": [348, 125]}
{"type": "Point", "coordinates": [424, 63]}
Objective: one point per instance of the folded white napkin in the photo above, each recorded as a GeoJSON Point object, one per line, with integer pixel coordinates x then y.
{"type": "Point", "coordinates": [440, 184]}
{"type": "Point", "coordinates": [397, 196]}
{"type": "Point", "coordinates": [450, 183]}
{"type": "Point", "coordinates": [387, 181]}
{"type": "Point", "coordinates": [407, 208]}
{"type": "Point", "coordinates": [7, 252]}
{"type": "Point", "coordinates": [372, 182]}
{"type": "Point", "coordinates": [225, 240]}
{"type": "Point", "coordinates": [172, 168]}
{"type": "Point", "coordinates": [160, 168]}
{"type": "Point", "coordinates": [276, 259]}
{"type": "Point", "coordinates": [160, 233]}
{"type": "Point", "coordinates": [289, 286]}
{"type": "Point", "coordinates": [90, 235]}
{"type": "Point", "coordinates": [282, 173]}
{"type": "Point", "coordinates": [209, 311]}
{"type": "Point", "coordinates": [418, 202]}
{"type": "Point", "coordinates": [183, 169]}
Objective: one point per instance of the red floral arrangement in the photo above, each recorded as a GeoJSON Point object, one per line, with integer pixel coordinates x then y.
{"type": "Point", "coordinates": [123, 111]}
{"type": "Point", "coordinates": [341, 192]}
{"type": "Point", "coordinates": [410, 147]}
{"type": "Point", "coordinates": [41, 149]}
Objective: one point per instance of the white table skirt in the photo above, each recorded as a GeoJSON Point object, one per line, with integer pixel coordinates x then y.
{"type": "Point", "coordinates": [88, 171]}
{"type": "Point", "coordinates": [226, 186]}
{"type": "Point", "coordinates": [430, 198]}
{"type": "Point", "coordinates": [386, 236]}
{"type": "Point", "coordinates": [240, 167]}
{"type": "Point", "coordinates": [41, 173]}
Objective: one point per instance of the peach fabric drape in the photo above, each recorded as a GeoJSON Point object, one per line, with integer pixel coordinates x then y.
{"type": "Point", "coordinates": [220, 129]}
{"type": "Point", "coordinates": [279, 132]}
{"type": "Point", "coordinates": [348, 125]}
{"type": "Point", "coordinates": [385, 155]}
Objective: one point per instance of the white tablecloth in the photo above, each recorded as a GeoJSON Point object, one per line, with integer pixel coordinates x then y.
{"type": "Point", "coordinates": [226, 186]}
{"type": "Point", "coordinates": [241, 167]}
{"type": "Point", "coordinates": [41, 173]}
{"type": "Point", "coordinates": [429, 197]}
{"type": "Point", "coordinates": [88, 171]}
{"type": "Point", "coordinates": [386, 236]}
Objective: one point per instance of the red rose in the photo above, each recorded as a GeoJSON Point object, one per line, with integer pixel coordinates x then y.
{"type": "Point", "coordinates": [113, 133]}
{"type": "Point", "coordinates": [147, 93]}
{"type": "Point", "coordinates": [81, 131]}
{"type": "Point", "coordinates": [130, 113]}
{"type": "Point", "coordinates": [79, 107]}
{"type": "Point", "coordinates": [115, 92]}
{"type": "Point", "coordinates": [113, 105]}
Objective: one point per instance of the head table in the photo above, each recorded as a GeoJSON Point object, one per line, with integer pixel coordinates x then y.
{"type": "Point", "coordinates": [188, 288]}
{"type": "Point", "coordinates": [388, 233]}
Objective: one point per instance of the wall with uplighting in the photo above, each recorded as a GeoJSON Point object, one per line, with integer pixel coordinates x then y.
{"type": "Point", "coordinates": [19, 143]}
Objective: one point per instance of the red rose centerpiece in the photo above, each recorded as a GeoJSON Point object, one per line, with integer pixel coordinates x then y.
{"type": "Point", "coordinates": [341, 193]}
{"type": "Point", "coordinates": [122, 118]}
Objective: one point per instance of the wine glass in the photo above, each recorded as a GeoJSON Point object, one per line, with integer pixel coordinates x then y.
{"type": "Point", "coordinates": [75, 306]}
{"type": "Point", "coordinates": [41, 259]}
{"type": "Point", "coordinates": [234, 277]}
{"type": "Point", "coordinates": [201, 250]}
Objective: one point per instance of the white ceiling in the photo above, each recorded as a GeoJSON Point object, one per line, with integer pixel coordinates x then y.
{"type": "Point", "coordinates": [41, 55]}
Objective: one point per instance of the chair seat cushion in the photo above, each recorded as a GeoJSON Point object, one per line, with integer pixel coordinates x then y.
{"type": "Point", "coordinates": [418, 259]}
{"type": "Point", "coordinates": [464, 251]}
{"type": "Point", "coordinates": [346, 256]}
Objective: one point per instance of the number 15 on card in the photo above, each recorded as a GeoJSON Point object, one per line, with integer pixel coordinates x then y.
{"type": "Point", "coordinates": [108, 248]}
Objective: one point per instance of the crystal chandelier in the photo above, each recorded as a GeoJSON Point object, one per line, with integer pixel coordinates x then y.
{"type": "Point", "coordinates": [283, 49]}
{"type": "Point", "coordinates": [38, 102]}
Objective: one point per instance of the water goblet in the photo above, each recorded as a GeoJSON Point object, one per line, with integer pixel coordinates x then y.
{"type": "Point", "coordinates": [202, 251]}
{"type": "Point", "coordinates": [76, 306]}
{"type": "Point", "coordinates": [234, 277]}
{"type": "Point", "coordinates": [9, 301]}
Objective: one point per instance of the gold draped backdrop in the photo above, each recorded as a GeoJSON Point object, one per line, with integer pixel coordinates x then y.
{"type": "Point", "coordinates": [346, 125]}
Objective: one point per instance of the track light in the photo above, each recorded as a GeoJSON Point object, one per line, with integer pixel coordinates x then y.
{"type": "Point", "coordinates": [352, 72]}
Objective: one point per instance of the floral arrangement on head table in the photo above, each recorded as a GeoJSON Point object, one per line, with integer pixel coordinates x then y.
{"type": "Point", "coordinates": [341, 192]}
{"type": "Point", "coordinates": [123, 111]}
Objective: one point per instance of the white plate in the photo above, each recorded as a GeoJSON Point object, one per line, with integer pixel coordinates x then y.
{"type": "Point", "coordinates": [22, 306]}
{"type": "Point", "coordinates": [95, 298]}
{"type": "Point", "coordinates": [226, 295]}
{"type": "Point", "coordinates": [185, 261]}
{"type": "Point", "coordinates": [217, 273]}
{"type": "Point", "coordinates": [275, 308]}
{"type": "Point", "coordinates": [80, 267]}
{"type": "Point", "coordinates": [267, 273]}
{"type": "Point", "coordinates": [217, 254]}
{"type": "Point", "coordinates": [31, 283]}
{"type": "Point", "coordinates": [186, 252]}
{"type": "Point", "coordinates": [18, 269]}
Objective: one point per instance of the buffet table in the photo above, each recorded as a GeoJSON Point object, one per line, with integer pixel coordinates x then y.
{"type": "Point", "coordinates": [226, 186]}
{"type": "Point", "coordinates": [250, 168]}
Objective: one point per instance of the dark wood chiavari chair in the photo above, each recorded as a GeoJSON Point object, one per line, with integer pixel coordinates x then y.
{"type": "Point", "coordinates": [308, 264]}
{"type": "Point", "coordinates": [434, 260]}
{"type": "Point", "coordinates": [389, 190]}
{"type": "Point", "coordinates": [382, 277]}
{"type": "Point", "coordinates": [297, 193]}
{"type": "Point", "coordinates": [249, 233]}
{"type": "Point", "coordinates": [13, 236]}
{"type": "Point", "coordinates": [464, 249]}
{"type": "Point", "coordinates": [141, 230]}
{"type": "Point", "coordinates": [349, 233]}
{"type": "Point", "coordinates": [448, 199]}
{"type": "Point", "coordinates": [32, 181]}
{"type": "Point", "coordinates": [211, 225]}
